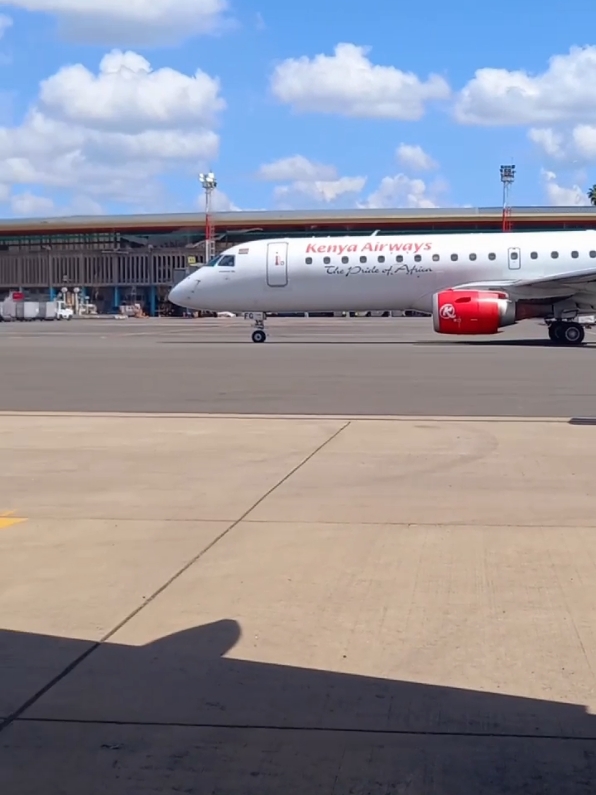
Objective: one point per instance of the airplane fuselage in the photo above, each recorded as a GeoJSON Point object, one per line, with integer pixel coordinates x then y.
{"type": "Point", "coordinates": [378, 272]}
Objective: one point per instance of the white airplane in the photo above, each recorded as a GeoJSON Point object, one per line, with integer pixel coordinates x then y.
{"type": "Point", "coordinates": [472, 283]}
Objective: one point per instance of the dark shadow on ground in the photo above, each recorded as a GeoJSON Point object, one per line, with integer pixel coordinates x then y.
{"type": "Point", "coordinates": [492, 343]}
{"type": "Point", "coordinates": [178, 716]}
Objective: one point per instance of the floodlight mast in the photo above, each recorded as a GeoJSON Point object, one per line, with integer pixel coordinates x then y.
{"type": "Point", "coordinates": [507, 178]}
{"type": "Point", "coordinates": [209, 184]}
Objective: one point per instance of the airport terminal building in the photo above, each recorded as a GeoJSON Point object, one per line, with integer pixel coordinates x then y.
{"type": "Point", "coordinates": [113, 261]}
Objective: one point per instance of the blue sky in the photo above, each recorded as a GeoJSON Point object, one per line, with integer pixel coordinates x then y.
{"type": "Point", "coordinates": [115, 107]}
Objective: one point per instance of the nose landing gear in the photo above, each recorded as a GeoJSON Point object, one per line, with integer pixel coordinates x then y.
{"type": "Point", "coordinates": [259, 334]}
{"type": "Point", "coordinates": [567, 333]}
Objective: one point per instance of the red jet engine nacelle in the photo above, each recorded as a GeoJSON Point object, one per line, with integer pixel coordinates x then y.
{"type": "Point", "coordinates": [472, 312]}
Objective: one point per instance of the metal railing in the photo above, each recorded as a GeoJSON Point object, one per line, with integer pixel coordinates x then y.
{"type": "Point", "coordinates": [93, 268]}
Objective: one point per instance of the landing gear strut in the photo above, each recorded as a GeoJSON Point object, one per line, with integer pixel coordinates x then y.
{"type": "Point", "coordinates": [259, 334]}
{"type": "Point", "coordinates": [567, 333]}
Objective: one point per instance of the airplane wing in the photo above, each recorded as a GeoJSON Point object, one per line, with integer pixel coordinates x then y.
{"type": "Point", "coordinates": [559, 284]}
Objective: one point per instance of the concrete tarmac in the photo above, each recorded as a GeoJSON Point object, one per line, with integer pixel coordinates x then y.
{"type": "Point", "coordinates": [311, 606]}
{"type": "Point", "coordinates": [342, 601]}
{"type": "Point", "coordinates": [360, 366]}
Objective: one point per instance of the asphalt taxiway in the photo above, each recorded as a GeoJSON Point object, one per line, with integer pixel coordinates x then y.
{"type": "Point", "coordinates": [331, 602]}
{"type": "Point", "coordinates": [360, 366]}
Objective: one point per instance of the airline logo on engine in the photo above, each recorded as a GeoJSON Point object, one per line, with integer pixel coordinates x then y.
{"type": "Point", "coordinates": [447, 312]}
{"type": "Point", "coordinates": [355, 248]}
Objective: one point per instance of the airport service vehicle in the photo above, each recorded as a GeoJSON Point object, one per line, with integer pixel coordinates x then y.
{"type": "Point", "coordinates": [471, 283]}
{"type": "Point", "coordinates": [20, 309]}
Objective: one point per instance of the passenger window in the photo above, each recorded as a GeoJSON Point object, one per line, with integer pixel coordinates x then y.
{"type": "Point", "coordinates": [492, 256]}
{"type": "Point", "coordinates": [534, 255]}
{"type": "Point", "coordinates": [436, 257]}
{"type": "Point", "coordinates": [228, 261]}
{"type": "Point", "coordinates": [362, 259]}
{"type": "Point", "coordinates": [309, 260]}
{"type": "Point", "coordinates": [593, 254]}
{"type": "Point", "coordinates": [472, 257]}
{"type": "Point", "coordinates": [454, 258]}
{"type": "Point", "coordinates": [417, 258]}
{"type": "Point", "coordinates": [575, 254]}
{"type": "Point", "coordinates": [381, 258]}
{"type": "Point", "coordinates": [326, 260]}
{"type": "Point", "coordinates": [554, 254]}
{"type": "Point", "coordinates": [345, 260]}
{"type": "Point", "coordinates": [399, 258]}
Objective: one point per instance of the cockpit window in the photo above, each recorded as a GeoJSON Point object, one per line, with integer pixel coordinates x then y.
{"type": "Point", "coordinates": [213, 261]}
{"type": "Point", "coordinates": [227, 261]}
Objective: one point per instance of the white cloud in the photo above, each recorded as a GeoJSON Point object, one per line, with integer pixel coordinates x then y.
{"type": "Point", "coordinates": [403, 191]}
{"type": "Point", "coordinates": [109, 136]}
{"type": "Point", "coordinates": [31, 205]}
{"type": "Point", "coordinates": [5, 24]}
{"type": "Point", "coordinates": [559, 196]}
{"type": "Point", "coordinates": [549, 141]}
{"type": "Point", "coordinates": [566, 91]}
{"type": "Point", "coordinates": [128, 94]}
{"type": "Point", "coordinates": [584, 142]}
{"type": "Point", "coordinates": [308, 180]}
{"type": "Point", "coordinates": [220, 202]}
{"type": "Point", "coordinates": [136, 22]}
{"type": "Point", "coordinates": [577, 146]}
{"type": "Point", "coordinates": [324, 191]}
{"type": "Point", "coordinates": [415, 158]}
{"type": "Point", "coordinates": [296, 167]}
{"type": "Point", "coordinates": [348, 84]}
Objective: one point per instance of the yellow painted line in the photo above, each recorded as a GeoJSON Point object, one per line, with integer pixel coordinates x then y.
{"type": "Point", "coordinates": [8, 519]}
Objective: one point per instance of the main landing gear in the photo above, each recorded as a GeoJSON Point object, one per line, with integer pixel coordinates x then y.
{"type": "Point", "coordinates": [258, 318]}
{"type": "Point", "coordinates": [566, 333]}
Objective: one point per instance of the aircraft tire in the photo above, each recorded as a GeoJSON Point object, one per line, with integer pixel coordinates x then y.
{"type": "Point", "coordinates": [259, 335]}
{"type": "Point", "coordinates": [573, 334]}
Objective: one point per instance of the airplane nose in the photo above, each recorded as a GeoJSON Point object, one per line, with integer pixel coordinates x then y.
{"type": "Point", "coordinates": [174, 294]}
{"type": "Point", "coordinates": [179, 293]}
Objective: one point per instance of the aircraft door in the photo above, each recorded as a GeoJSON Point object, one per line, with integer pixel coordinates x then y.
{"type": "Point", "coordinates": [277, 264]}
{"type": "Point", "coordinates": [514, 258]}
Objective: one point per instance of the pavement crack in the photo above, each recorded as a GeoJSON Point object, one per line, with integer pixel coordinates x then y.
{"type": "Point", "coordinates": [17, 713]}
{"type": "Point", "coordinates": [315, 729]}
